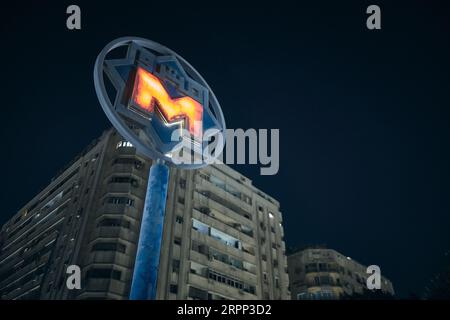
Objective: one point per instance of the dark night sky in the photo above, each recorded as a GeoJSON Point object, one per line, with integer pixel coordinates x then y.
{"type": "Point", "coordinates": [363, 115]}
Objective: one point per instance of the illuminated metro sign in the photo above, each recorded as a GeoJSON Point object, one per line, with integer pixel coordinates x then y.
{"type": "Point", "coordinates": [152, 93]}
{"type": "Point", "coordinates": [157, 101]}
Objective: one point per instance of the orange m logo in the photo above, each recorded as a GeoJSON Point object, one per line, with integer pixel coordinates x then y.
{"type": "Point", "coordinates": [148, 91]}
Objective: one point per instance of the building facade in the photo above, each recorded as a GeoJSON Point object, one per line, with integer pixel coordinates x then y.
{"type": "Point", "coordinates": [222, 239]}
{"type": "Point", "coordinates": [325, 274]}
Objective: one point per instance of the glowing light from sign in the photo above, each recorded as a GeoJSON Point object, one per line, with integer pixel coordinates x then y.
{"type": "Point", "coordinates": [149, 92]}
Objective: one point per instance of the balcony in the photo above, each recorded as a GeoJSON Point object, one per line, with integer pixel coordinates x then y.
{"type": "Point", "coordinates": [225, 203]}
{"type": "Point", "coordinates": [119, 188]}
{"type": "Point", "coordinates": [218, 287]}
{"type": "Point", "coordinates": [220, 246]}
{"type": "Point", "coordinates": [121, 209]}
{"type": "Point", "coordinates": [208, 260]}
{"type": "Point", "coordinates": [115, 233]}
{"type": "Point", "coordinates": [128, 168]}
{"type": "Point", "coordinates": [222, 226]}
{"type": "Point", "coordinates": [110, 257]}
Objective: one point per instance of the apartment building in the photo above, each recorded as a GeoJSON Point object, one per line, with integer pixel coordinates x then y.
{"type": "Point", "coordinates": [319, 273]}
{"type": "Point", "coordinates": [222, 239]}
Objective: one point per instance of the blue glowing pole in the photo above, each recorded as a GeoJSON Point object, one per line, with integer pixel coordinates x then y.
{"type": "Point", "coordinates": [145, 276]}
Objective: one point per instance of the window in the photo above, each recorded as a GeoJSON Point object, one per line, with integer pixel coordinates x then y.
{"type": "Point", "coordinates": [108, 246]}
{"type": "Point", "coordinates": [216, 234]}
{"type": "Point", "coordinates": [198, 294]}
{"type": "Point", "coordinates": [177, 240]}
{"type": "Point", "coordinates": [133, 161]}
{"type": "Point", "coordinates": [53, 201]}
{"type": "Point", "coordinates": [213, 275]}
{"type": "Point", "coordinates": [233, 191]}
{"type": "Point", "coordinates": [104, 273]}
{"type": "Point", "coordinates": [311, 267]}
{"type": "Point", "coordinates": [199, 247]}
{"type": "Point", "coordinates": [247, 230]}
{"type": "Point", "coordinates": [316, 281]}
{"type": "Point", "coordinates": [173, 288]}
{"type": "Point", "coordinates": [120, 200]}
{"type": "Point", "coordinates": [213, 296]}
{"type": "Point", "coordinates": [129, 180]}
{"type": "Point", "coordinates": [176, 265]}
{"type": "Point", "coordinates": [325, 280]}
{"type": "Point", "coordinates": [114, 222]}
{"type": "Point", "coordinates": [222, 185]}
{"type": "Point", "coordinates": [226, 203]}
{"type": "Point", "coordinates": [179, 219]}
{"type": "Point", "coordinates": [204, 176]}
{"type": "Point", "coordinates": [123, 144]}
{"type": "Point", "coordinates": [247, 199]}
{"type": "Point", "coordinates": [200, 227]}
{"type": "Point", "coordinates": [181, 200]}
{"type": "Point", "coordinates": [271, 215]}
{"type": "Point", "coordinates": [327, 295]}
{"type": "Point", "coordinates": [68, 190]}
{"type": "Point", "coordinates": [205, 210]}
{"type": "Point", "coordinates": [302, 296]}
{"type": "Point", "coordinates": [199, 269]}
{"type": "Point", "coordinates": [182, 183]}
{"type": "Point", "coordinates": [223, 237]}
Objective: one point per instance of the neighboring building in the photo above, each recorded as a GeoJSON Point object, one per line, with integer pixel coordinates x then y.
{"type": "Point", "coordinates": [222, 239]}
{"type": "Point", "coordinates": [320, 273]}
{"type": "Point", "coordinates": [438, 287]}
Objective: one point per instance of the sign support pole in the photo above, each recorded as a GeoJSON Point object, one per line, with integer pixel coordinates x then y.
{"type": "Point", "coordinates": [145, 276]}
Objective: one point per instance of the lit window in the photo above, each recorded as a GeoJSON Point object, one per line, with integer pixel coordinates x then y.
{"type": "Point", "coordinates": [270, 215]}
{"type": "Point", "coordinates": [124, 144]}
{"type": "Point", "coordinates": [120, 200]}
